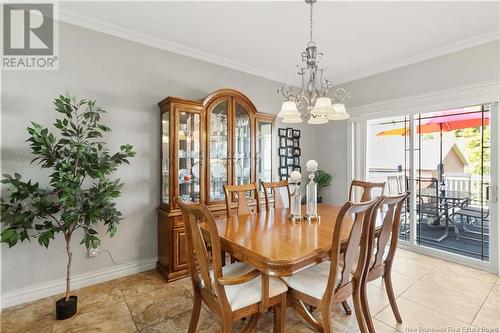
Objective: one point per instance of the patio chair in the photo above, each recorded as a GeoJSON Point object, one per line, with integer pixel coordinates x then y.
{"type": "Point", "coordinates": [428, 203]}
{"type": "Point", "coordinates": [432, 206]}
{"type": "Point", "coordinates": [394, 185]}
{"type": "Point", "coordinates": [473, 220]}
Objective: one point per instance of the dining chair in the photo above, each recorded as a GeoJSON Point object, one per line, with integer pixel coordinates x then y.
{"type": "Point", "coordinates": [381, 256]}
{"type": "Point", "coordinates": [367, 188]}
{"type": "Point", "coordinates": [234, 291]}
{"type": "Point", "coordinates": [275, 189]}
{"type": "Point", "coordinates": [334, 281]}
{"type": "Point", "coordinates": [240, 191]}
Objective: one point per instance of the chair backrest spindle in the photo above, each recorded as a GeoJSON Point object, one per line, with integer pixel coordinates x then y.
{"type": "Point", "coordinates": [198, 257]}
{"type": "Point", "coordinates": [367, 188]}
{"type": "Point", "coordinates": [389, 230]}
{"type": "Point", "coordinates": [274, 188]}
{"type": "Point", "coordinates": [355, 248]}
{"type": "Point", "coordinates": [243, 207]}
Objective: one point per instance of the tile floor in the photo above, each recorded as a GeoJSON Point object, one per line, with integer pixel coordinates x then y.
{"type": "Point", "coordinates": [432, 294]}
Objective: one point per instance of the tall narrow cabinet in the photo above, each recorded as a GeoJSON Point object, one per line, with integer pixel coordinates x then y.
{"type": "Point", "coordinates": [205, 145]}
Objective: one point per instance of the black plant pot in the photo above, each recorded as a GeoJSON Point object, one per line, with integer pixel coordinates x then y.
{"type": "Point", "coordinates": [320, 199]}
{"type": "Point", "coordinates": [65, 310]}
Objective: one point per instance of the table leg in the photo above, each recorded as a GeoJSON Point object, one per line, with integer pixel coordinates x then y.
{"type": "Point", "coordinates": [446, 224]}
{"type": "Point", "coordinates": [446, 228]}
{"type": "Point", "coordinates": [265, 293]}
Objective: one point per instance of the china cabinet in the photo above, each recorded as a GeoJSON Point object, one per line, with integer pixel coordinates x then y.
{"type": "Point", "coordinates": [220, 140]}
{"type": "Point", "coordinates": [264, 126]}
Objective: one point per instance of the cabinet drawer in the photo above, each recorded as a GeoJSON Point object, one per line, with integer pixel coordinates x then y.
{"type": "Point", "coordinates": [178, 222]}
{"type": "Point", "coordinates": [180, 250]}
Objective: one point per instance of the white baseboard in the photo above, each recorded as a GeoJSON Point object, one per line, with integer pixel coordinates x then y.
{"type": "Point", "coordinates": [28, 294]}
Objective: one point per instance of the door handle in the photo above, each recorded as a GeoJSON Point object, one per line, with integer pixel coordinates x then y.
{"type": "Point", "coordinates": [492, 193]}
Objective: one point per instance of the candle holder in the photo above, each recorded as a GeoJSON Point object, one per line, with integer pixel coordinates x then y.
{"type": "Point", "coordinates": [295, 197]}
{"type": "Point", "coordinates": [312, 192]}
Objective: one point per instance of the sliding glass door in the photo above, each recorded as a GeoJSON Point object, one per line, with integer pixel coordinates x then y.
{"type": "Point", "coordinates": [444, 159]}
{"type": "Point", "coordinates": [388, 160]}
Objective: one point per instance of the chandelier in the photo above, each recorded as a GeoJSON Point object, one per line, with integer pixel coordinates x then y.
{"type": "Point", "coordinates": [310, 102]}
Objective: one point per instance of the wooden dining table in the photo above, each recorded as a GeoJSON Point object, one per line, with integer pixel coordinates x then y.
{"type": "Point", "coordinates": [276, 246]}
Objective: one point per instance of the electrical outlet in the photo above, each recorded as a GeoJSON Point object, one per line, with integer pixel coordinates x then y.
{"type": "Point", "coordinates": [93, 252]}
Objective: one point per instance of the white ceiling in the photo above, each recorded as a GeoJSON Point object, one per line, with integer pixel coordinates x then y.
{"type": "Point", "coordinates": [265, 38]}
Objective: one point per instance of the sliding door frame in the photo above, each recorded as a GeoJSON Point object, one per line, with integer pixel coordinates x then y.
{"type": "Point", "coordinates": [484, 93]}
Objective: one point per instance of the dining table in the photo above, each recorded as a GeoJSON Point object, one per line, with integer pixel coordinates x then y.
{"type": "Point", "coordinates": [447, 200]}
{"type": "Point", "coordinates": [269, 241]}
{"type": "Point", "coordinates": [276, 246]}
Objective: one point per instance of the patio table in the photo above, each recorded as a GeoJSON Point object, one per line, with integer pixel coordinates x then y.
{"type": "Point", "coordinates": [449, 199]}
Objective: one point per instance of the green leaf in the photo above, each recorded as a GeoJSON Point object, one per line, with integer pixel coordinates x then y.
{"type": "Point", "coordinates": [112, 229]}
{"type": "Point", "coordinates": [322, 178]}
{"type": "Point", "coordinates": [10, 236]}
{"type": "Point", "coordinates": [80, 193]}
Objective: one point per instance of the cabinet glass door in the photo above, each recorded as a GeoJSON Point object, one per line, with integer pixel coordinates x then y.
{"type": "Point", "coordinates": [218, 148]}
{"type": "Point", "coordinates": [242, 146]}
{"type": "Point", "coordinates": [189, 156]}
{"type": "Point", "coordinates": [165, 158]}
{"type": "Point", "coordinates": [264, 154]}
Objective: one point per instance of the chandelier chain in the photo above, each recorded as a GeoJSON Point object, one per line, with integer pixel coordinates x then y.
{"type": "Point", "coordinates": [311, 23]}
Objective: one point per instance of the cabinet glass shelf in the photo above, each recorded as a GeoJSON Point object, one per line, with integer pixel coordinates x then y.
{"type": "Point", "coordinates": [219, 138]}
{"type": "Point", "coordinates": [189, 166]}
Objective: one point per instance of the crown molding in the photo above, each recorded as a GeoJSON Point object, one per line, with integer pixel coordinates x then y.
{"type": "Point", "coordinates": [163, 44]}
{"type": "Point", "coordinates": [465, 95]}
{"type": "Point", "coordinates": [420, 57]}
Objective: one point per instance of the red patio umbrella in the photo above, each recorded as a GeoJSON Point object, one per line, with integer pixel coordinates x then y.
{"type": "Point", "coordinates": [445, 121]}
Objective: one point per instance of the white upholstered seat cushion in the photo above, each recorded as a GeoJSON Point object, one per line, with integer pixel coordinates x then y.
{"type": "Point", "coordinates": [244, 294]}
{"type": "Point", "coordinates": [311, 281]}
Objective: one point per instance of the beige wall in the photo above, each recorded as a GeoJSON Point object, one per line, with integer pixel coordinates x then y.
{"type": "Point", "coordinates": [127, 79]}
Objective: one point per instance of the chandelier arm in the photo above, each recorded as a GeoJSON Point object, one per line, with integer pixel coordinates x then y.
{"type": "Point", "coordinates": [302, 105]}
{"type": "Point", "coordinates": [317, 88]}
{"type": "Point", "coordinates": [287, 92]}
{"type": "Point", "coordinates": [313, 83]}
{"type": "Point", "coordinates": [341, 94]}
{"type": "Point", "coordinates": [302, 80]}
{"type": "Point", "coordinates": [325, 84]}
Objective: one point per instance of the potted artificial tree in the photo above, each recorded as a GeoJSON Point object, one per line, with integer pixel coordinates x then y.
{"type": "Point", "coordinates": [80, 193]}
{"type": "Point", "coordinates": [323, 180]}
